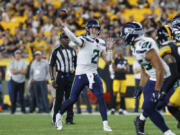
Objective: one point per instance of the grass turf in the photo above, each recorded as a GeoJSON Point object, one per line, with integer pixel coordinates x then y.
{"type": "Point", "coordinates": [85, 125]}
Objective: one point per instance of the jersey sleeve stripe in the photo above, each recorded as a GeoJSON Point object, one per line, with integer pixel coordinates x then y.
{"type": "Point", "coordinates": [164, 50]}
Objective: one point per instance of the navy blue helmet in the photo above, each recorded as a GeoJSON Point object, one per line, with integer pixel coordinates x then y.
{"type": "Point", "coordinates": [176, 22]}
{"type": "Point", "coordinates": [131, 31]}
{"type": "Point", "coordinates": [94, 24]}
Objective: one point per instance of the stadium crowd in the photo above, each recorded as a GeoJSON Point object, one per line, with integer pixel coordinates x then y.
{"type": "Point", "coordinates": [31, 25]}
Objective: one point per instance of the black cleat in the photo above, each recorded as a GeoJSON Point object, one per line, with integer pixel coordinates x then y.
{"type": "Point", "coordinates": [70, 123]}
{"type": "Point", "coordinates": [178, 125]}
{"type": "Point", "coordinates": [112, 111]}
{"type": "Point", "coordinates": [139, 125]}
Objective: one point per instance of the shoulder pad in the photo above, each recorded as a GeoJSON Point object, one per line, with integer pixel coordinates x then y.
{"type": "Point", "coordinates": [146, 44]}
{"type": "Point", "coordinates": [178, 44]}
{"type": "Point", "coordinates": [102, 42]}
{"type": "Point", "coordinates": [144, 47]}
{"type": "Point", "coordinates": [165, 50]}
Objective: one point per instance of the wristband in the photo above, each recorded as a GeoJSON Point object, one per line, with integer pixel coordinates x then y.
{"type": "Point", "coordinates": [109, 55]}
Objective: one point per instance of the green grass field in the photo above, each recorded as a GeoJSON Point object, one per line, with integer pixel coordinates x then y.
{"type": "Point", "coordinates": [85, 125]}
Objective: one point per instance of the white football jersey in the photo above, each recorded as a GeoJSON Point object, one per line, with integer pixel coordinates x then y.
{"type": "Point", "coordinates": [88, 55]}
{"type": "Point", "coordinates": [140, 49]}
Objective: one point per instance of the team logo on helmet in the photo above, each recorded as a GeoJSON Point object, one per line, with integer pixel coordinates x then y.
{"type": "Point", "coordinates": [130, 32]}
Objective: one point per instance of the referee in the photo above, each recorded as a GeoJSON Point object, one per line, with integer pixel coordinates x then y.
{"type": "Point", "coordinates": [63, 59]}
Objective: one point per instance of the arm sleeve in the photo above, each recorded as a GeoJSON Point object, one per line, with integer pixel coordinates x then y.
{"type": "Point", "coordinates": [165, 50]}
{"type": "Point", "coordinates": [72, 37]}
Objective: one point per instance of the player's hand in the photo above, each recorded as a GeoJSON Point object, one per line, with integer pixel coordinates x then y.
{"type": "Point", "coordinates": [110, 43]}
{"type": "Point", "coordinates": [155, 96]}
{"type": "Point", "coordinates": [138, 92]}
{"type": "Point", "coordinates": [162, 95]}
{"type": "Point", "coordinates": [54, 84]}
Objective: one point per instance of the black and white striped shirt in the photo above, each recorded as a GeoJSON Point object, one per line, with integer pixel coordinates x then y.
{"type": "Point", "coordinates": [64, 59]}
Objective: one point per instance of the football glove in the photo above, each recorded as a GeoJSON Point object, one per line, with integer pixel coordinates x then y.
{"type": "Point", "coordinates": [162, 95]}
{"type": "Point", "coordinates": [155, 96]}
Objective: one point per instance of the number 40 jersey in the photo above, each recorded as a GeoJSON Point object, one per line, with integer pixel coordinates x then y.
{"type": "Point", "coordinates": [89, 54]}
{"type": "Point", "coordinates": [140, 50]}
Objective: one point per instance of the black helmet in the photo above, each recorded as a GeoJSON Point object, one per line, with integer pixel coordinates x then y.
{"type": "Point", "coordinates": [163, 35]}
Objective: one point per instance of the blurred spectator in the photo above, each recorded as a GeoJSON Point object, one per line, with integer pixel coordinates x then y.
{"type": "Point", "coordinates": [1, 96]}
{"type": "Point", "coordinates": [120, 67]}
{"type": "Point", "coordinates": [9, 85]}
{"type": "Point", "coordinates": [18, 68]}
{"type": "Point", "coordinates": [24, 21]}
{"type": "Point", "coordinates": [39, 77]}
{"type": "Point", "coordinates": [137, 76]}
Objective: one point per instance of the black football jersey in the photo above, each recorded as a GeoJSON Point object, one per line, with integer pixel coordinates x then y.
{"type": "Point", "coordinates": [120, 63]}
{"type": "Point", "coordinates": [174, 50]}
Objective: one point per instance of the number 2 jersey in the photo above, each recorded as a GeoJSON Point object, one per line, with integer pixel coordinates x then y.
{"type": "Point", "coordinates": [89, 54]}
{"type": "Point", "coordinates": [142, 46]}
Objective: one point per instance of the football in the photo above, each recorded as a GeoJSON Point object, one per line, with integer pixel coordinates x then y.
{"type": "Point", "coordinates": [62, 14]}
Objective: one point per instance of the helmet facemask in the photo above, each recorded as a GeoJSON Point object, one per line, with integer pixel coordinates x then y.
{"type": "Point", "coordinates": [129, 35]}
{"type": "Point", "coordinates": [93, 32]}
{"type": "Point", "coordinates": [164, 35]}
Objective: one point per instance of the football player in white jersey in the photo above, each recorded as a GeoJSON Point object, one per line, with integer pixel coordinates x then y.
{"type": "Point", "coordinates": [154, 70]}
{"type": "Point", "coordinates": [90, 49]}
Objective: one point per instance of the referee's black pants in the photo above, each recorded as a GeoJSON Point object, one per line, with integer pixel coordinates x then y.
{"type": "Point", "coordinates": [64, 84]}
{"type": "Point", "coordinates": [17, 88]}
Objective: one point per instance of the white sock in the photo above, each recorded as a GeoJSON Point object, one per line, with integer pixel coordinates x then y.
{"type": "Point", "coordinates": [59, 115]}
{"type": "Point", "coordinates": [141, 117]}
{"type": "Point", "coordinates": [169, 132]}
{"type": "Point", "coordinates": [105, 122]}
